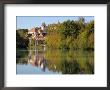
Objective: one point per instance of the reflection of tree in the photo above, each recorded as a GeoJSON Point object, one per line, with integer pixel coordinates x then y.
{"type": "Point", "coordinates": [70, 67]}
{"type": "Point", "coordinates": [21, 57]}
{"type": "Point", "coordinates": [21, 61]}
{"type": "Point", "coordinates": [53, 67]}
{"type": "Point", "coordinates": [90, 68]}
{"type": "Point", "coordinates": [65, 62]}
{"type": "Point", "coordinates": [70, 62]}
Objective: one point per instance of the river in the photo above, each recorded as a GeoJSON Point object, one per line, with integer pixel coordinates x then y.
{"type": "Point", "coordinates": [54, 61]}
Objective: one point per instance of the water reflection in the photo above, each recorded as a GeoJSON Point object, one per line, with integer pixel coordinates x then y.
{"type": "Point", "coordinates": [55, 61]}
{"type": "Point", "coordinates": [37, 60]}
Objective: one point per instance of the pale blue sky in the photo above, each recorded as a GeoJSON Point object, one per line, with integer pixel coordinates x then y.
{"type": "Point", "coordinates": [28, 22]}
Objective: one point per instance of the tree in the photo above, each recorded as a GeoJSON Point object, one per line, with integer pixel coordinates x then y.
{"type": "Point", "coordinates": [22, 39]}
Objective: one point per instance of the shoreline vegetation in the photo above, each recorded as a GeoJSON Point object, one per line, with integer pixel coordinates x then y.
{"type": "Point", "coordinates": [70, 34]}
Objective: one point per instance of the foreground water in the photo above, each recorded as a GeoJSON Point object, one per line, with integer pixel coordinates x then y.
{"type": "Point", "coordinates": [54, 61]}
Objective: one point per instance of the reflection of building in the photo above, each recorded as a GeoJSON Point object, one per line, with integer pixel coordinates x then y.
{"type": "Point", "coordinates": [37, 60]}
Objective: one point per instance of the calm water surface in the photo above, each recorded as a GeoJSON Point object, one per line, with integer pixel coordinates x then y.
{"type": "Point", "coordinates": [54, 61]}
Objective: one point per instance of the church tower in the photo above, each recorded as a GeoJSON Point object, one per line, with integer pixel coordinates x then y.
{"type": "Point", "coordinates": [43, 28]}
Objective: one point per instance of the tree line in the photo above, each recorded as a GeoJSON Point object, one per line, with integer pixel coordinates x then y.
{"type": "Point", "coordinates": [71, 34]}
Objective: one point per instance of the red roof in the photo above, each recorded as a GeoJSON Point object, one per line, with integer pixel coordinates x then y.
{"type": "Point", "coordinates": [33, 30]}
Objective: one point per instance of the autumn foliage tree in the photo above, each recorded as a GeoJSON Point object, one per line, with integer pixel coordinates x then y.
{"type": "Point", "coordinates": [71, 34]}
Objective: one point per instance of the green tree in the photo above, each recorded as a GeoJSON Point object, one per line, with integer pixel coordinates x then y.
{"type": "Point", "coordinates": [22, 39]}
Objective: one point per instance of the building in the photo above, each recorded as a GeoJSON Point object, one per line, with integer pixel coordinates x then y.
{"type": "Point", "coordinates": [38, 32]}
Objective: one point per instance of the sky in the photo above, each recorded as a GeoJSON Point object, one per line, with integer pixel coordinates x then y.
{"type": "Point", "coordinates": [28, 22]}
